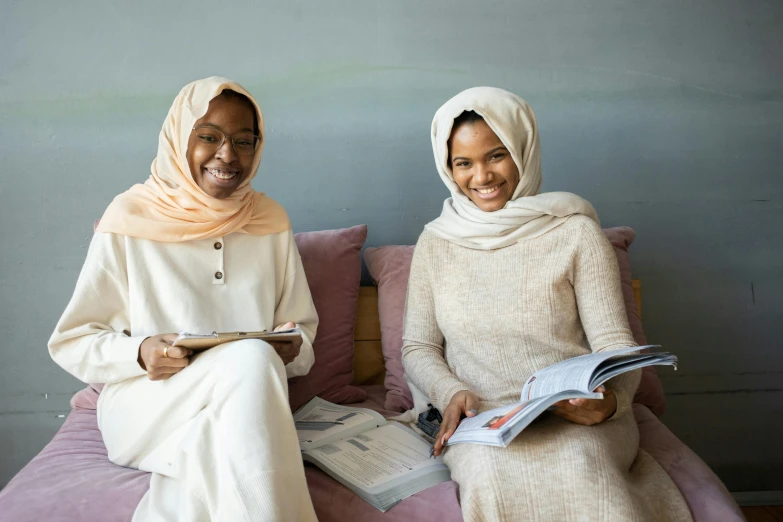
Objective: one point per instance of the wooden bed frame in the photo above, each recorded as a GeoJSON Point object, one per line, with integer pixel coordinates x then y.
{"type": "Point", "coordinates": [368, 367]}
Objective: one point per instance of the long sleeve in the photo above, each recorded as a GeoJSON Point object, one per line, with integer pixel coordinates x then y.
{"type": "Point", "coordinates": [601, 308]}
{"type": "Point", "coordinates": [89, 340]}
{"type": "Point", "coordinates": [423, 341]}
{"type": "Point", "coordinates": [296, 305]}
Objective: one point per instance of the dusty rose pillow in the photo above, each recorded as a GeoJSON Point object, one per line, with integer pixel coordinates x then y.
{"type": "Point", "coordinates": [389, 267]}
{"type": "Point", "coordinates": [332, 262]}
{"type": "Point", "coordinates": [650, 392]}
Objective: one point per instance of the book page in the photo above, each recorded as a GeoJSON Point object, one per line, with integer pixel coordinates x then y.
{"type": "Point", "coordinates": [571, 374]}
{"type": "Point", "coordinates": [378, 460]}
{"type": "Point", "coordinates": [487, 425]}
{"type": "Point", "coordinates": [499, 426]}
{"type": "Point", "coordinates": [321, 422]}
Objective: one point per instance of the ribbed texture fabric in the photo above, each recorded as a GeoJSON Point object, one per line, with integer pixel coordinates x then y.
{"type": "Point", "coordinates": [485, 321]}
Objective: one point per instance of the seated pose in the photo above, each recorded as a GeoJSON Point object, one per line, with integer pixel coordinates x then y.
{"type": "Point", "coordinates": [504, 283]}
{"type": "Point", "coordinates": [196, 249]}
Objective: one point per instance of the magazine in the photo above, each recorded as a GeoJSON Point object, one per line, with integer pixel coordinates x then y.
{"type": "Point", "coordinates": [382, 461]}
{"type": "Point", "coordinates": [574, 378]}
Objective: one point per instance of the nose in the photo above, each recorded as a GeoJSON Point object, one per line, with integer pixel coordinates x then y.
{"type": "Point", "coordinates": [483, 174]}
{"type": "Point", "coordinates": [226, 152]}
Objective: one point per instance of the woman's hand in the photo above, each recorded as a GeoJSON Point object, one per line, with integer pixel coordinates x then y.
{"type": "Point", "coordinates": [160, 359]}
{"type": "Point", "coordinates": [287, 350]}
{"type": "Point", "coordinates": [462, 403]}
{"type": "Point", "coordinates": [588, 411]}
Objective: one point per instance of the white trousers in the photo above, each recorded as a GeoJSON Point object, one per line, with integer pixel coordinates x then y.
{"type": "Point", "coordinates": [218, 438]}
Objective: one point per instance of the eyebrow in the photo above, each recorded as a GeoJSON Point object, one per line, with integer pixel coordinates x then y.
{"type": "Point", "coordinates": [500, 147]}
{"type": "Point", "coordinates": [221, 130]}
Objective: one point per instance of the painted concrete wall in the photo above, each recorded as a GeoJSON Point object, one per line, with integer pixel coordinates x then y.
{"type": "Point", "coordinates": [667, 115]}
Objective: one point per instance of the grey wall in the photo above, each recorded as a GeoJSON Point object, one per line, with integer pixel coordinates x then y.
{"type": "Point", "coordinates": [667, 115]}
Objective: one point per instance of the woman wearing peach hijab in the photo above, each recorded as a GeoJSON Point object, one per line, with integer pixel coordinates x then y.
{"type": "Point", "coordinates": [196, 249]}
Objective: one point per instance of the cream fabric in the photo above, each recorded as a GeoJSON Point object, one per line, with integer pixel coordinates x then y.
{"type": "Point", "coordinates": [485, 321]}
{"type": "Point", "coordinates": [218, 436]}
{"type": "Point", "coordinates": [130, 289]}
{"type": "Point", "coordinates": [170, 206]}
{"type": "Point", "coordinates": [528, 214]}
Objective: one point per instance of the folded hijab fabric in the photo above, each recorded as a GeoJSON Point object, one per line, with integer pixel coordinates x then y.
{"type": "Point", "coordinates": [170, 206]}
{"type": "Point", "coordinates": [528, 214]}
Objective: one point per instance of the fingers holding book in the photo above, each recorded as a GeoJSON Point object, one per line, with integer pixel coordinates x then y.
{"type": "Point", "coordinates": [588, 412]}
{"type": "Point", "coordinates": [287, 350]}
{"type": "Point", "coordinates": [464, 403]}
{"type": "Point", "coordinates": [160, 359]}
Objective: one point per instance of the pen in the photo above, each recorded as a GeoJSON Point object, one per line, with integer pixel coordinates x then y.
{"type": "Point", "coordinates": [432, 451]}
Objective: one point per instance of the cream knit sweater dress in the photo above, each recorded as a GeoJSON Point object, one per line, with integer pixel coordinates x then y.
{"type": "Point", "coordinates": [485, 321]}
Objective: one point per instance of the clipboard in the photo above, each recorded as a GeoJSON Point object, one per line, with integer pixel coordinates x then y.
{"type": "Point", "coordinates": [205, 341]}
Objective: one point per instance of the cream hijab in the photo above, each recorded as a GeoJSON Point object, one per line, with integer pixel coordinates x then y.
{"type": "Point", "coordinates": [528, 213]}
{"type": "Point", "coordinates": [170, 206]}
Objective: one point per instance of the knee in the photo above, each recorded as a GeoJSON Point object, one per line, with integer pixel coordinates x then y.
{"type": "Point", "coordinates": [248, 359]}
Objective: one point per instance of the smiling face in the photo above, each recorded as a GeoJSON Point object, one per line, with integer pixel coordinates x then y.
{"type": "Point", "coordinates": [219, 171]}
{"type": "Point", "coordinates": [481, 165]}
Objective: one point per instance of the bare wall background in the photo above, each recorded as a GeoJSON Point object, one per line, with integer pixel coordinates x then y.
{"type": "Point", "coordinates": [667, 115]}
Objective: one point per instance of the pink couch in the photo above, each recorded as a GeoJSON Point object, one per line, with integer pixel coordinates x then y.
{"type": "Point", "coordinates": [72, 480]}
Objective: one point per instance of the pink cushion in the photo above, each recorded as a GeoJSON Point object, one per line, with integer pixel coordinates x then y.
{"type": "Point", "coordinates": [707, 497]}
{"type": "Point", "coordinates": [72, 479]}
{"type": "Point", "coordinates": [650, 392]}
{"type": "Point", "coordinates": [332, 262]}
{"type": "Point", "coordinates": [389, 267]}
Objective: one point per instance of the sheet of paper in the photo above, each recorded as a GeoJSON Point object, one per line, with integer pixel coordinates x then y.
{"type": "Point", "coordinates": [379, 458]}
{"type": "Point", "coordinates": [320, 422]}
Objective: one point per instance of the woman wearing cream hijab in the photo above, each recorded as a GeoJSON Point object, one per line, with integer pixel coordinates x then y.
{"type": "Point", "coordinates": [196, 249]}
{"type": "Point", "coordinates": [508, 281]}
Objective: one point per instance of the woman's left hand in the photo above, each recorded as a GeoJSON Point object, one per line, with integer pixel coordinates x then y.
{"type": "Point", "coordinates": [287, 350]}
{"type": "Point", "coordinates": [588, 411]}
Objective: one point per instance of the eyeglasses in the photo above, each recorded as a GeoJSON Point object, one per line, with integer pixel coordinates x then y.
{"type": "Point", "coordinates": [245, 143]}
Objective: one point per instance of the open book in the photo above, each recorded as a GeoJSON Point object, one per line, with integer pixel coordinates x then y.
{"type": "Point", "coordinates": [204, 341]}
{"type": "Point", "coordinates": [574, 378]}
{"type": "Point", "coordinates": [381, 461]}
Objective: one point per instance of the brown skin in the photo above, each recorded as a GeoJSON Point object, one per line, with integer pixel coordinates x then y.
{"type": "Point", "coordinates": [230, 116]}
{"type": "Point", "coordinates": [479, 160]}
{"type": "Point", "coordinates": [579, 411]}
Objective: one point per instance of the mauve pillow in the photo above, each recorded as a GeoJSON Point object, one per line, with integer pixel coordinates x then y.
{"type": "Point", "coordinates": [332, 262]}
{"type": "Point", "coordinates": [389, 267]}
{"type": "Point", "coordinates": [650, 392]}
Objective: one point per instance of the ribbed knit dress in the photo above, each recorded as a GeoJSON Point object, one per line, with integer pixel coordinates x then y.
{"type": "Point", "coordinates": [485, 320]}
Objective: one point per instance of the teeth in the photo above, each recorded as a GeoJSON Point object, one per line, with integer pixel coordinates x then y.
{"type": "Point", "coordinates": [222, 174]}
{"type": "Point", "coordinates": [487, 191]}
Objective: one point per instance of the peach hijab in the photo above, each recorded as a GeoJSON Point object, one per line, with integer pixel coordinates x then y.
{"type": "Point", "coordinates": [528, 214]}
{"type": "Point", "coordinates": [170, 206]}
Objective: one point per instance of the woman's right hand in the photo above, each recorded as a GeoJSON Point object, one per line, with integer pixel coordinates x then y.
{"type": "Point", "coordinates": [462, 403]}
{"type": "Point", "coordinates": [160, 359]}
